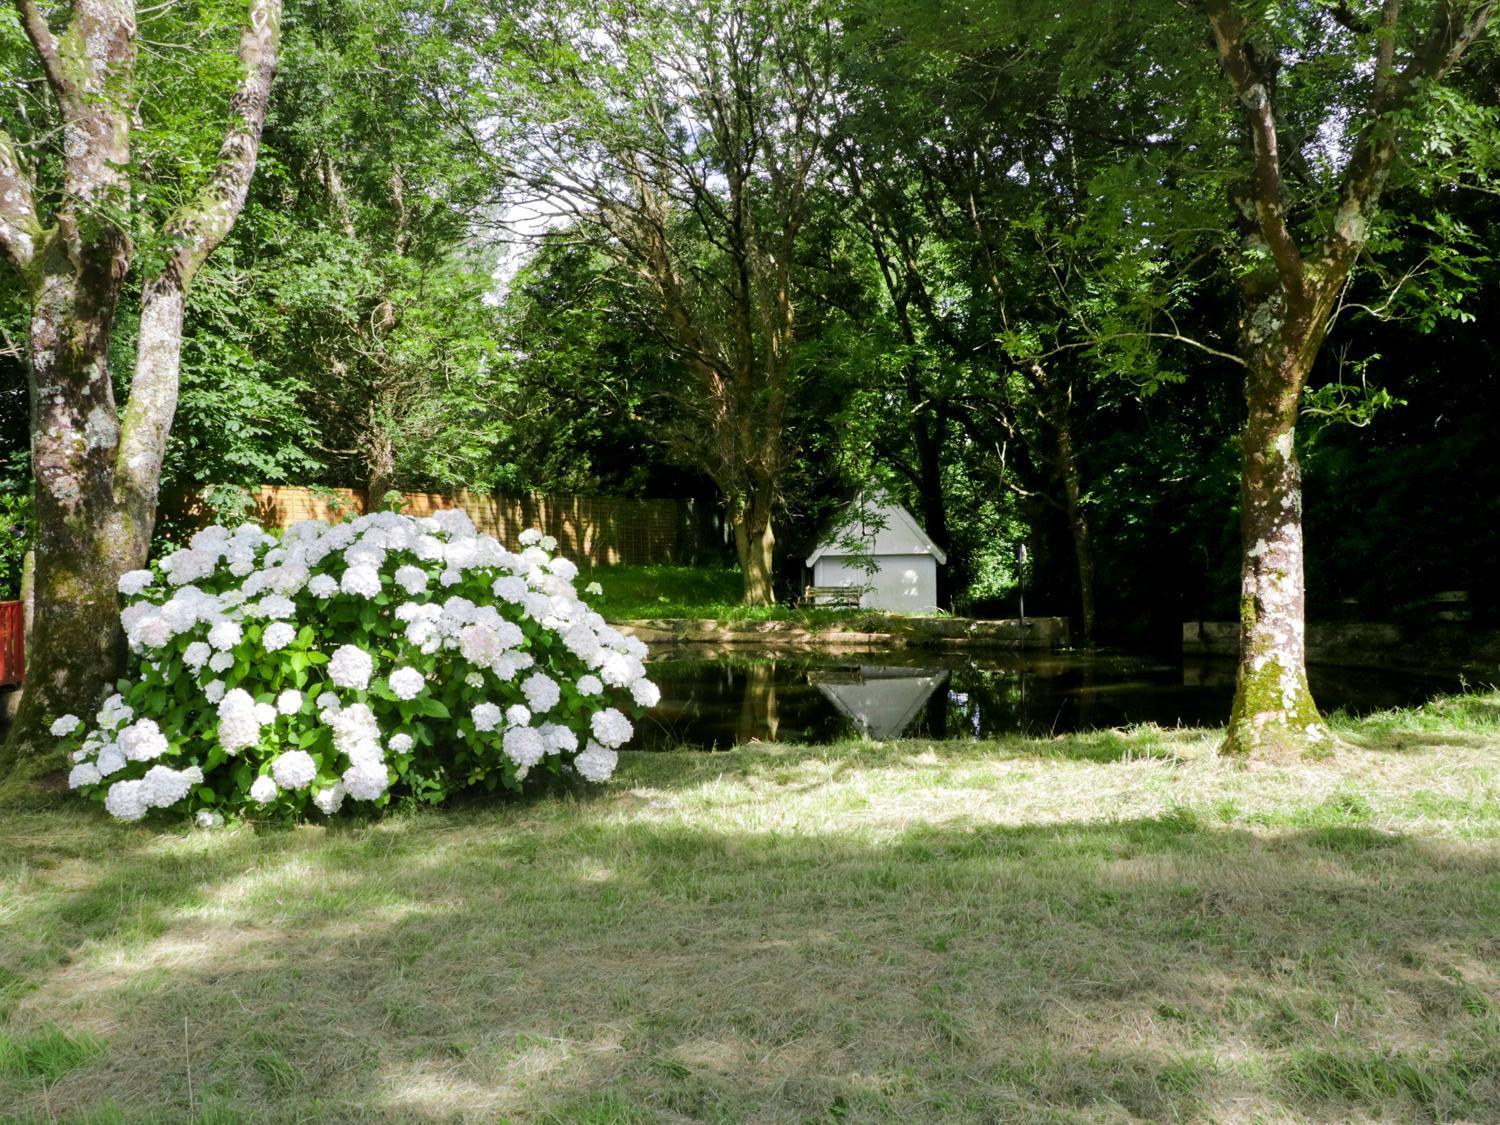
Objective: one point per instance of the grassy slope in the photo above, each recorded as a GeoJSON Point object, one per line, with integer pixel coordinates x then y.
{"type": "Point", "coordinates": [1095, 927]}
{"type": "Point", "coordinates": [636, 592]}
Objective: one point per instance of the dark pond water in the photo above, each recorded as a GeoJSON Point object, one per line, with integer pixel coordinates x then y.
{"type": "Point", "coordinates": [742, 697]}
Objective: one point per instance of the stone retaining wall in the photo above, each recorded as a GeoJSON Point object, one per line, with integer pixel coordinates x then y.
{"type": "Point", "coordinates": [863, 632]}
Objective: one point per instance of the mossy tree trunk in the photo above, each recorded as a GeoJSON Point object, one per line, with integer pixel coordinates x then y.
{"type": "Point", "coordinates": [96, 471]}
{"type": "Point", "coordinates": [1273, 710]}
{"type": "Point", "coordinates": [755, 546]}
{"type": "Point", "coordinates": [1288, 296]}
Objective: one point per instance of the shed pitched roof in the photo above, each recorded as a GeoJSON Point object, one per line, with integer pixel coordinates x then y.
{"type": "Point", "coordinates": [896, 532]}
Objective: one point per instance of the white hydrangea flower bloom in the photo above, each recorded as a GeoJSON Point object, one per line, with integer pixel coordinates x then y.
{"type": "Point", "coordinates": [85, 773]}
{"type": "Point", "coordinates": [356, 733]}
{"type": "Point", "coordinates": [133, 582]}
{"type": "Point", "coordinates": [164, 787]}
{"type": "Point", "coordinates": [196, 655]}
{"type": "Point", "coordinates": [362, 580]}
{"type": "Point", "coordinates": [277, 636]}
{"type": "Point", "coordinates": [263, 790]}
{"type": "Point", "coordinates": [596, 763]}
{"type": "Point", "coordinates": [322, 586]}
{"type": "Point", "coordinates": [590, 685]}
{"type": "Point", "coordinates": [276, 606]}
{"type": "Point", "coordinates": [486, 716]}
{"type": "Point", "coordinates": [645, 693]}
{"type": "Point", "coordinates": [401, 742]}
{"type": "Point", "coordinates": [239, 725]}
{"type": "Point", "coordinates": [558, 738]}
{"type": "Point", "coordinates": [64, 725]}
{"type": "Point", "coordinates": [365, 781]}
{"type": "Point", "coordinates": [294, 769]}
{"type": "Point", "coordinates": [142, 741]}
{"type": "Point", "coordinates": [221, 662]}
{"type": "Point", "coordinates": [406, 683]}
{"type": "Point", "coordinates": [351, 667]}
{"type": "Point", "coordinates": [611, 728]}
{"type": "Point", "coordinates": [524, 746]}
{"type": "Point", "coordinates": [225, 635]}
{"type": "Point", "coordinates": [126, 800]}
{"type": "Point", "coordinates": [289, 702]}
{"type": "Point", "coordinates": [412, 579]}
{"type": "Point", "coordinates": [214, 691]}
{"type": "Point", "coordinates": [330, 800]}
{"type": "Point", "coordinates": [509, 587]}
{"type": "Point", "coordinates": [541, 691]}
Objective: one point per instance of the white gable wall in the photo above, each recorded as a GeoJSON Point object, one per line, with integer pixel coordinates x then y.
{"type": "Point", "coordinates": [904, 583]}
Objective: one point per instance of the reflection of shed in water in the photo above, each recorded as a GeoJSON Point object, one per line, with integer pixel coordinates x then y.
{"type": "Point", "coordinates": [880, 701]}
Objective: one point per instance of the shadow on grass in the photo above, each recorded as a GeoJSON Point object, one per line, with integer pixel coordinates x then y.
{"type": "Point", "coordinates": [565, 961]}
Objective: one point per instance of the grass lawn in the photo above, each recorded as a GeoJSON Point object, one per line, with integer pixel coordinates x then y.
{"type": "Point", "coordinates": [635, 592]}
{"type": "Point", "coordinates": [1104, 927]}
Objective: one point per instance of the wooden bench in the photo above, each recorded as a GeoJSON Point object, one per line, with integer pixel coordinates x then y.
{"type": "Point", "coordinates": [838, 596]}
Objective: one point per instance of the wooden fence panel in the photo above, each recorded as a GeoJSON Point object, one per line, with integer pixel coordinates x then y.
{"type": "Point", "coordinates": [597, 530]}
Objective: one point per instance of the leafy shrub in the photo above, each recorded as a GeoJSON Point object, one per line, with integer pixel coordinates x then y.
{"type": "Point", "coordinates": [15, 540]}
{"type": "Point", "coordinates": [370, 658]}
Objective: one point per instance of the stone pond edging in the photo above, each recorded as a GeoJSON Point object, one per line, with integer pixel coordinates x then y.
{"type": "Point", "coordinates": [1416, 647]}
{"type": "Point", "coordinates": [866, 632]}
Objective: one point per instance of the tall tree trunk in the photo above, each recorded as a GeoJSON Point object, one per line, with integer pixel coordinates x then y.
{"type": "Point", "coordinates": [755, 543]}
{"type": "Point", "coordinates": [1286, 308]}
{"type": "Point", "coordinates": [96, 474]}
{"type": "Point", "coordinates": [928, 435]}
{"type": "Point", "coordinates": [75, 647]}
{"type": "Point", "coordinates": [1273, 712]}
{"type": "Point", "coordinates": [148, 416]}
{"type": "Point", "coordinates": [1078, 523]}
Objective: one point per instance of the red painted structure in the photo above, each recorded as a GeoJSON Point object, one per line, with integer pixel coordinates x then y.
{"type": "Point", "coordinates": [12, 643]}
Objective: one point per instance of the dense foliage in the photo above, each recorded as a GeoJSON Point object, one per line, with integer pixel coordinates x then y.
{"type": "Point", "coordinates": [1012, 302]}
{"type": "Point", "coordinates": [379, 657]}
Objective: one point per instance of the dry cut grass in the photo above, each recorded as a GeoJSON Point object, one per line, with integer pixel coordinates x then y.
{"type": "Point", "coordinates": [1094, 928]}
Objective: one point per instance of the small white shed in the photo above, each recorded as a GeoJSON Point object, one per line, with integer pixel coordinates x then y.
{"type": "Point", "coordinates": [878, 532]}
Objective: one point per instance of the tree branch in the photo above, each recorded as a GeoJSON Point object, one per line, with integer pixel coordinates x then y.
{"type": "Point", "coordinates": [1455, 27]}
{"type": "Point", "coordinates": [200, 225]}
{"type": "Point", "coordinates": [20, 229]}
{"type": "Point", "coordinates": [194, 232]}
{"type": "Point", "coordinates": [1254, 93]}
{"type": "Point", "coordinates": [45, 45]}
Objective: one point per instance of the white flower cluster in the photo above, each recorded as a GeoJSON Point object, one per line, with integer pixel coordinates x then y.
{"type": "Point", "coordinates": [389, 623]}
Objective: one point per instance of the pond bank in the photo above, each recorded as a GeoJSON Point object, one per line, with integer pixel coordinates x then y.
{"type": "Point", "coordinates": [860, 631]}
{"type": "Point", "coordinates": [1412, 647]}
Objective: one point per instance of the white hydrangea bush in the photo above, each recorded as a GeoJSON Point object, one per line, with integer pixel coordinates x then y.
{"type": "Point", "coordinates": [354, 662]}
